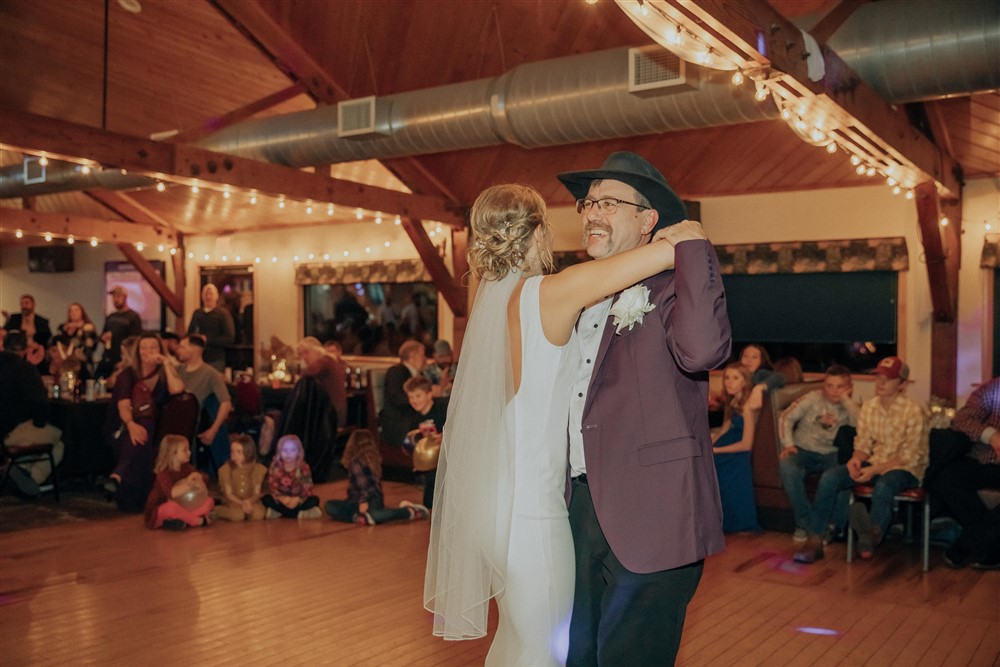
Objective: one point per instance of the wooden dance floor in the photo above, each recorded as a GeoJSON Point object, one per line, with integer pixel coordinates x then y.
{"type": "Point", "coordinates": [318, 593]}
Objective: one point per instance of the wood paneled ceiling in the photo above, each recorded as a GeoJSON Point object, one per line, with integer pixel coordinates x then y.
{"type": "Point", "coordinates": [179, 64]}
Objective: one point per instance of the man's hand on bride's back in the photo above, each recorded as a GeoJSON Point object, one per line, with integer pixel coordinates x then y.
{"type": "Point", "coordinates": [688, 230]}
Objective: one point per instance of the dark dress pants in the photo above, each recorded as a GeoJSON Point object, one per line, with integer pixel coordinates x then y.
{"type": "Point", "coordinates": [620, 617]}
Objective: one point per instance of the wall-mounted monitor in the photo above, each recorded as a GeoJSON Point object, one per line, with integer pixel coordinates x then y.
{"type": "Point", "coordinates": [50, 259]}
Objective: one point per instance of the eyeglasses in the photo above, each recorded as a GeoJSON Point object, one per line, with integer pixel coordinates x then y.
{"type": "Point", "coordinates": [605, 205]}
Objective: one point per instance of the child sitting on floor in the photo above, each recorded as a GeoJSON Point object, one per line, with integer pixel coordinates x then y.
{"type": "Point", "coordinates": [180, 496]}
{"type": "Point", "coordinates": [365, 504]}
{"type": "Point", "coordinates": [241, 481]}
{"type": "Point", "coordinates": [289, 483]}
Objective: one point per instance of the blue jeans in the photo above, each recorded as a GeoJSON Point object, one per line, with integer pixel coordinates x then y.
{"type": "Point", "coordinates": [837, 479]}
{"type": "Point", "coordinates": [793, 470]}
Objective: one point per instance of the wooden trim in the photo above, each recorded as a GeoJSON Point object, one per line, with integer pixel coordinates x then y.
{"type": "Point", "coordinates": [82, 228]}
{"type": "Point", "coordinates": [751, 22]}
{"type": "Point", "coordinates": [30, 133]}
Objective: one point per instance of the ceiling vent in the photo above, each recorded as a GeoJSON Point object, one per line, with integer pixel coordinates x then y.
{"type": "Point", "coordinates": [34, 170]}
{"type": "Point", "coordinates": [652, 70]}
{"type": "Point", "coordinates": [363, 118]}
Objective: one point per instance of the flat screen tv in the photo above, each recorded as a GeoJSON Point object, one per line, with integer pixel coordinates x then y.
{"type": "Point", "coordinates": [50, 259]}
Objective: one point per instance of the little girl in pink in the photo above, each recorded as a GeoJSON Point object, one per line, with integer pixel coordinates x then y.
{"type": "Point", "coordinates": [180, 496]}
{"type": "Point", "coordinates": [289, 483]}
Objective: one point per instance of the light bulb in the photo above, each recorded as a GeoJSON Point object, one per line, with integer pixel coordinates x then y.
{"type": "Point", "coordinates": [855, 160]}
{"type": "Point", "coordinates": [786, 114]}
{"type": "Point", "coordinates": [909, 194]}
{"type": "Point", "coordinates": [644, 10]}
{"type": "Point", "coordinates": [139, 246]}
{"type": "Point", "coordinates": [207, 257]}
{"type": "Point", "coordinates": [309, 210]}
{"type": "Point", "coordinates": [761, 93]}
{"type": "Point", "coordinates": [237, 258]}
{"type": "Point", "coordinates": [48, 236]}
{"type": "Point", "coordinates": [431, 233]}
{"type": "Point", "coordinates": [253, 199]}
{"type": "Point", "coordinates": [44, 161]}
{"type": "Point", "coordinates": [329, 209]}
{"type": "Point", "coordinates": [860, 170]}
{"type": "Point", "coordinates": [387, 243]}
{"type": "Point", "coordinates": [85, 169]}
{"type": "Point", "coordinates": [312, 255]}
{"type": "Point", "coordinates": [93, 242]}
{"type": "Point", "coordinates": [359, 214]}
{"type": "Point", "coordinates": [378, 219]}
{"type": "Point", "coordinates": [944, 221]}
{"type": "Point", "coordinates": [225, 194]}
{"type": "Point", "coordinates": [704, 57]}
{"type": "Point", "coordinates": [891, 180]}
{"type": "Point", "coordinates": [256, 260]}
{"type": "Point", "coordinates": [831, 147]}
{"type": "Point", "coordinates": [70, 240]}
{"type": "Point", "coordinates": [399, 221]}
{"type": "Point", "coordinates": [160, 187]}
{"type": "Point", "coordinates": [738, 78]}
{"type": "Point", "coordinates": [988, 226]}
{"type": "Point", "coordinates": [281, 203]}
{"type": "Point", "coordinates": [295, 258]}
{"type": "Point", "coordinates": [173, 251]}
{"type": "Point", "coordinates": [19, 234]}
{"type": "Point", "coordinates": [368, 250]}
{"type": "Point", "coordinates": [326, 257]}
{"type": "Point", "coordinates": [195, 189]}
{"type": "Point", "coordinates": [159, 248]}
{"type": "Point", "coordinates": [870, 171]}
{"type": "Point", "coordinates": [347, 253]}
{"type": "Point", "coordinates": [274, 259]}
{"type": "Point", "coordinates": [675, 37]}
{"type": "Point", "coordinates": [896, 189]}
{"type": "Point", "coordinates": [817, 135]}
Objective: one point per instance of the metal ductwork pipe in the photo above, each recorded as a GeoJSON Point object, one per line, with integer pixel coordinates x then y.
{"type": "Point", "coordinates": [562, 101]}
{"type": "Point", "coordinates": [911, 50]}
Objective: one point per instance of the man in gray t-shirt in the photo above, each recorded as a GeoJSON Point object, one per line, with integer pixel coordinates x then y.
{"type": "Point", "coordinates": [203, 381]}
{"type": "Point", "coordinates": [807, 429]}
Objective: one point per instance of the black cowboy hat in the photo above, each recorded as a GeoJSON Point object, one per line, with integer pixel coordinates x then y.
{"type": "Point", "coordinates": [633, 170]}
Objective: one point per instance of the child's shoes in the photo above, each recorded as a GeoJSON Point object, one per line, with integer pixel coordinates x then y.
{"type": "Point", "coordinates": [364, 519]}
{"type": "Point", "coordinates": [174, 524]}
{"type": "Point", "coordinates": [271, 514]}
{"type": "Point", "coordinates": [311, 513]}
{"type": "Point", "coordinates": [417, 511]}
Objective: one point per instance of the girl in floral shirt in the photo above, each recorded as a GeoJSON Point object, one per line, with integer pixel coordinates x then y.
{"type": "Point", "coordinates": [289, 483]}
{"type": "Point", "coordinates": [365, 504]}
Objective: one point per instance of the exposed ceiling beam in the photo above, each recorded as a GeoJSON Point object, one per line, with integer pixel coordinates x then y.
{"type": "Point", "coordinates": [128, 208]}
{"type": "Point", "coordinates": [83, 229]}
{"type": "Point", "coordinates": [30, 133]}
{"type": "Point", "coordinates": [146, 270]}
{"type": "Point", "coordinates": [943, 289]}
{"type": "Point", "coordinates": [450, 289]}
{"type": "Point", "coordinates": [829, 24]}
{"type": "Point", "coordinates": [755, 27]}
{"type": "Point", "coordinates": [215, 124]}
{"type": "Point", "coordinates": [254, 21]}
{"type": "Point", "coordinates": [939, 127]}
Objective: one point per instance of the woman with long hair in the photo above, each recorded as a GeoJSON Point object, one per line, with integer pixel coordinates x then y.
{"type": "Point", "coordinates": [500, 525]}
{"type": "Point", "coordinates": [731, 446]}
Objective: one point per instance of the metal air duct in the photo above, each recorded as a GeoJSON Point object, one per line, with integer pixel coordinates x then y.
{"type": "Point", "coordinates": [919, 50]}
{"type": "Point", "coordinates": [562, 101]}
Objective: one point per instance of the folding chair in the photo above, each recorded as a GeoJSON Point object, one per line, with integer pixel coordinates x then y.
{"type": "Point", "coordinates": [912, 497]}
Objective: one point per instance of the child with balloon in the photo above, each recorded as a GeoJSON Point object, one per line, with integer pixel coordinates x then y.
{"type": "Point", "coordinates": [180, 496]}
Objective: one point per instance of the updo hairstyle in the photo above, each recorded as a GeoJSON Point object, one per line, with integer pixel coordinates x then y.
{"type": "Point", "coordinates": [503, 220]}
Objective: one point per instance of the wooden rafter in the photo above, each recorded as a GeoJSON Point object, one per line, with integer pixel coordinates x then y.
{"type": "Point", "coordinates": [82, 228]}
{"type": "Point", "coordinates": [215, 124]}
{"type": "Point", "coordinates": [449, 288]}
{"type": "Point", "coordinates": [829, 24]}
{"type": "Point", "coordinates": [146, 270]}
{"type": "Point", "coordinates": [253, 20]}
{"type": "Point", "coordinates": [30, 133]}
{"type": "Point", "coordinates": [758, 29]}
{"type": "Point", "coordinates": [943, 290]}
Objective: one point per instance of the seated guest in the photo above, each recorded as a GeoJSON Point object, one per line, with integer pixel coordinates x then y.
{"type": "Point", "coordinates": [790, 369]}
{"type": "Point", "coordinates": [77, 337]}
{"type": "Point", "coordinates": [140, 392]}
{"type": "Point", "coordinates": [24, 412]}
{"type": "Point", "coordinates": [126, 359]}
{"type": "Point", "coordinates": [397, 414]}
{"type": "Point", "coordinates": [120, 324]}
{"type": "Point", "coordinates": [34, 326]}
{"type": "Point", "coordinates": [441, 370]}
{"type": "Point", "coordinates": [365, 503]}
{"type": "Point", "coordinates": [216, 324]}
{"type": "Point", "coordinates": [289, 483]}
{"type": "Point", "coordinates": [756, 360]}
{"type": "Point", "coordinates": [807, 429]}
{"type": "Point", "coordinates": [890, 452]}
{"type": "Point", "coordinates": [179, 497]}
{"type": "Point", "coordinates": [430, 415]}
{"type": "Point", "coordinates": [241, 481]}
{"type": "Point", "coordinates": [204, 381]}
{"type": "Point", "coordinates": [330, 372]}
{"type": "Point", "coordinates": [957, 483]}
{"type": "Point", "coordinates": [172, 341]}
{"type": "Point", "coordinates": [731, 446]}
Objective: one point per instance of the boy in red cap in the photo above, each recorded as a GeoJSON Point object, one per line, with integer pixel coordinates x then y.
{"type": "Point", "coordinates": [890, 453]}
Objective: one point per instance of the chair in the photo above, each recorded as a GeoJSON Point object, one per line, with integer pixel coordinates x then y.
{"type": "Point", "coordinates": [179, 416]}
{"type": "Point", "coordinates": [42, 451]}
{"type": "Point", "coordinates": [912, 497]}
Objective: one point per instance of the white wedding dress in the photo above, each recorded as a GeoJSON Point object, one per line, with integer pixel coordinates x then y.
{"type": "Point", "coordinates": [535, 607]}
{"type": "Point", "coordinates": [500, 526]}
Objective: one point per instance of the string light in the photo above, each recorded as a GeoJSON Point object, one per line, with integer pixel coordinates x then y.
{"type": "Point", "coordinates": [388, 243]}
{"type": "Point", "coordinates": [281, 203]}
{"type": "Point", "coordinates": [48, 237]}
{"type": "Point", "coordinates": [831, 147]}
{"type": "Point", "coordinates": [944, 221]}
{"type": "Point", "coordinates": [190, 255]}
{"type": "Point", "coordinates": [256, 260]}
{"type": "Point", "coordinates": [159, 248]}
{"type": "Point", "coordinates": [309, 210]}
{"type": "Point", "coordinates": [70, 240]}
{"type": "Point", "coordinates": [738, 78]}
{"type": "Point", "coordinates": [359, 214]}
{"type": "Point", "coordinates": [909, 194]}
{"type": "Point", "coordinates": [139, 246]}
{"type": "Point", "coordinates": [207, 257]}
{"type": "Point", "coordinates": [675, 37]}
{"type": "Point", "coordinates": [326, 257]}
{"type": "Point", "coordinates": [312, 256]}
{"type": "Point", "coordinates": [85, 169]}
{"type": "Point", "coordinates": [896, 189]}
{"type": "Point", "coordinates": [253, 199]}
{"type": "Point", "coordinates": [347, 253]}
{"type": "Point", "coordinates": [329, 209]}
{"type": "Point", "coordinates": [44, 161]}
{"type": "Point", "coordinates": [19, 234]}
{"type": "Point", "coordinates": [273, 259]}
{"type": "Point", "coordinates": [761, 94]}
{"type": "Point", "coordinates": [237, 258]}
{"type": "Point", "coordinates": [368, 250]}
{"type": "Point", "coordinates": [378, 219]}
{"type": "Point", "coordinates": [225, 258]}
{"type": "Point", "coordinates": [295, 258]}
{"type": "Point", "coordinates": [860, 170]}
{"type": "Point", "coordinates": [93, 242]}
{"type": "Point", "coordinates": [173, 251]}
{"type": "Point", "coordinates": [160, 187]}
{"type": "Point", "coordinates": [870, 171]}
{"type": "Point", "coordinates": [194, 189]}
{"type": "Point", "coordinates": [225, 194]}
{"type": "Point", "coordinates": [399, 220]}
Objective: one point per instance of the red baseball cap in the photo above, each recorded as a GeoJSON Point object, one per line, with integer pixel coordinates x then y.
{"type": "Point", "coordinates": [893, 368]}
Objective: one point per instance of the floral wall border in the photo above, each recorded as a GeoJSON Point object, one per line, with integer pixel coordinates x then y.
{"type": "Point", "coordinates": [395, 271]}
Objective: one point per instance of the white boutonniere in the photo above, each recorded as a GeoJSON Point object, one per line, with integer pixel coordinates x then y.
{"type": "Point", "coordinates": [630, 307]}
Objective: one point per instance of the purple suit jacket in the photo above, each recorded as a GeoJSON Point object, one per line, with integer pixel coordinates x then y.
{"type": "Point", "coordinates": [645, 421]}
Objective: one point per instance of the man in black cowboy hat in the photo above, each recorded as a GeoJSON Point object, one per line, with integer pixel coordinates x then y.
{"type": "Point", "coordinates": [644, 505]}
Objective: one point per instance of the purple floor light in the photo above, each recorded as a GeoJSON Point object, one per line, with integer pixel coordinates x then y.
{"type": "Point", "coordinates": [826, 632]}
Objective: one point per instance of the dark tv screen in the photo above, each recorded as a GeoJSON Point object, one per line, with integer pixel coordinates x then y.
{"type": "Point", "coordinates": [50, 259]}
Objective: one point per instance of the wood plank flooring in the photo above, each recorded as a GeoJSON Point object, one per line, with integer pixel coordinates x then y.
{"type": "Point", "coordinates": [320, 593]}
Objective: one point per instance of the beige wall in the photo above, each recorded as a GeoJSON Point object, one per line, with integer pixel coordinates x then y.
{"type": "Point", "coordinates": [823, 214]}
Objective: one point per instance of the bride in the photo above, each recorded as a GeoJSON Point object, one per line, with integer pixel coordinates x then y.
{"type": "Point", "coordinates": [500, 525]}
